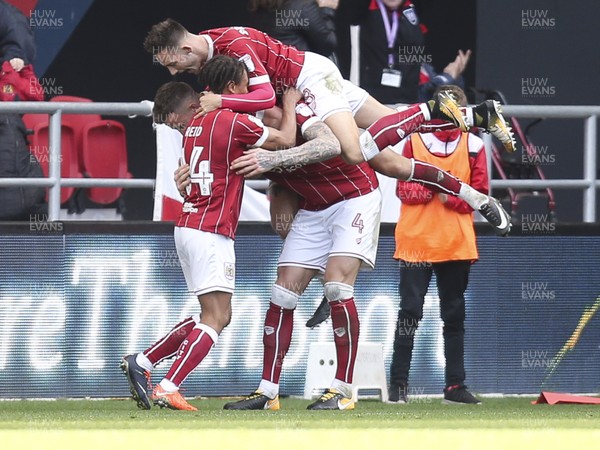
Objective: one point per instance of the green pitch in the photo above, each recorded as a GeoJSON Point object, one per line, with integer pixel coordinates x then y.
{"type": "Point", "coordinates": [118, 424]}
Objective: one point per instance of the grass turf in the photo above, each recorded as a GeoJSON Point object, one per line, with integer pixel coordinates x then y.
{"type": "Point", "coordinates": [115, 424]}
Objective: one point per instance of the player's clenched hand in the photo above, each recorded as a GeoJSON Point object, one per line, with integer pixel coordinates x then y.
{"type": "Point", "coordinates": [209, 101]}
{"type": "Point", "coordinates": [291, 96]}
{"type": "Point", "coordinates": [182, 178]}
{"type": "Point", "coordinates": [17, 64]}
{"type": "Point", "coordinates": [254, 162]}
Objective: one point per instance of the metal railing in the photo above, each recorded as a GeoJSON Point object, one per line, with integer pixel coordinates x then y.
{"type": "Point", "coordinates": [589, 183]}
{"type": "Point", "coordinates": [54, 181]}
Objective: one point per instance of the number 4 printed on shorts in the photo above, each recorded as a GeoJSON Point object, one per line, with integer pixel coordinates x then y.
{"type": "Point", "coordinates": [358, 223]}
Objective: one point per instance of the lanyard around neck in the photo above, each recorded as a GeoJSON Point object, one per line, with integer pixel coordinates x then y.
{"type": "Point", "coordinates": [390, 29]}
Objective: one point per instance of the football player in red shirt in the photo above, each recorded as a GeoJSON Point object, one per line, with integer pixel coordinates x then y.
{"type": "Point", "coordinates": [205, 230]}
{"type": "Point", "coordinates": [335, 232]}
{"type": "Point", "coordinates": [274, 66]}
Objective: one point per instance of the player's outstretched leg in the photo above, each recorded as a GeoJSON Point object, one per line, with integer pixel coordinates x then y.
{"type": "Point", "coordinates": [391, 129]}
{"type": "Point", "coordinates": [488, 115]}
{"type": "Point", "coordinates": [441, 181]}
{"type": "Point", "coordinates": [139, 381]}
{"type": "Point", "coordinates": [443, 106]}
{"type": "Point", "coordinates": [496, 215]}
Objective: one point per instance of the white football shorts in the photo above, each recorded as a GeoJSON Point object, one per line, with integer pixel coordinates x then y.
{"type": "Point", "coordinates": [207, 260]}
{"type": "Point", "coordinates": [347, 228]}
{"type": "Point", "coordinates": [325, 90]}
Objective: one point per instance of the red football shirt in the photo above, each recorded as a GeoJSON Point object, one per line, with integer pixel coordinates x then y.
{"type": "Point", "coordinates": [210, 144]}
{"type": "Point", "coordinates": [323, 184]}
{"type": "Point", "coordinates": [272, 66]}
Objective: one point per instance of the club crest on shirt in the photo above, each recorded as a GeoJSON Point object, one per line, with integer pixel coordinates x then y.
{"type": "Point", "coordinates": [229, 271]}
{"type": "Point", "coordinates": [410, 15]}
{"type": "Point", "coordinates": [269, 330]}
{"type": "Point", "coordinates": [247, 59]}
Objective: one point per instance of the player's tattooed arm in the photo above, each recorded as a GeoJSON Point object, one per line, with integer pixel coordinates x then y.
{"type": "Point", "coordinates": [322, 145]}
{"type": "Point", "coordinates": [284, 136]}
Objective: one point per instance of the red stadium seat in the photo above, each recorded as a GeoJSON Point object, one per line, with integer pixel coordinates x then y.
{"type": "Point", "coordinates": [104, 155]}
{"type": "Point", "coordinates": [77, 121]}
{"type": "Point", "coordinates": [102, 149]}
{"type": "Point", "coordinates": [39, 148]}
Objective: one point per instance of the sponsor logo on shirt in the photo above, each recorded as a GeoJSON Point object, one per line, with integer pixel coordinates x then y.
{"type": "Point", "coordinates": [189, 208]}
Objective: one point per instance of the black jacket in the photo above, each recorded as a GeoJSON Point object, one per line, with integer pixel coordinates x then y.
{"type": "Point", "coordinates": [16, 38]}
{"type": "Point", "coordinates": [18, 203]}
{"type": "Point", "coordinates": [409, 53]}
{"type": "Point", "coordinates": [301, 23]}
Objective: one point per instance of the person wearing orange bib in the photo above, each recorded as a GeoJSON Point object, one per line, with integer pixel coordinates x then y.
{"type": "Point", "coordinates": [435, 234]}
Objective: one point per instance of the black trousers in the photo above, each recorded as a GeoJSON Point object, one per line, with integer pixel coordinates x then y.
{"type": "Point", "coordinates": [452, 279]}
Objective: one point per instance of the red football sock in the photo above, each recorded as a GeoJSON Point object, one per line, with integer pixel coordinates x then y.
{"type": "Point", "coordinates": [435, 178]}
{"type": "Point", "coordinates": [191, 352]}
{"type": "Point", "coordinates": [346, 329]}
{"type": "Point", "coordinates": [390, 130]}
{"type": "Point", "coordinates": [168, 345]}
{"type": "Point", "coordinates": [277, 335]}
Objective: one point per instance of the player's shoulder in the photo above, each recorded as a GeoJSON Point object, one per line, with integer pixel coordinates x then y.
{"type": "Point", "coordinates": [231, 33]}
{"type": "Point", "coordinates": [248, 119]}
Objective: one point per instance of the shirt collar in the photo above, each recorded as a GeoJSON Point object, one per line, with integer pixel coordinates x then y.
{"type": "Point", "coordinates": [211, 47]}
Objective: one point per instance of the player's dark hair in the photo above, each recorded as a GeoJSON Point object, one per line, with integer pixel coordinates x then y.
{"type": "Point", "coordinates": [169, 98]}
{"type": "Point", "coordinates": [455, 91]}
{"type": "Point", "coordinates": [268, 5]}
{"type": "Point", "coordinates": [219, 71]}
{"type": "Point", "coordinates": [163, 36]}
